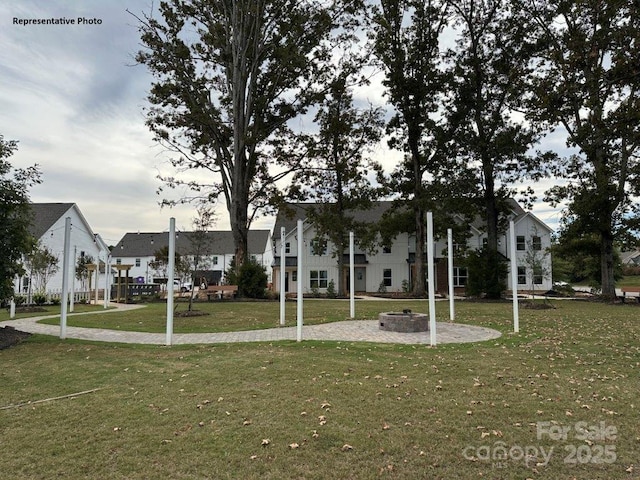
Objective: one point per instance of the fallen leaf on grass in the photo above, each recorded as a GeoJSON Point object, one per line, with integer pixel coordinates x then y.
{"type": "Point", "coordinates": [346, 447]}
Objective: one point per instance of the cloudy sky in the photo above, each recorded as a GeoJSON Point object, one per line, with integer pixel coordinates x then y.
{"type": "Point", "coordinates": [73, 97]}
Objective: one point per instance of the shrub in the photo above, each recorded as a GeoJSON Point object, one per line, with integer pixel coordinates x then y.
{"type": "Point", "coordinates": [252, 280]}
{"type": "Point", "coordinates": [39, 299]}
{"type": "Point", "coordinates": [331, 290]}
{"type": "Point", "coordinates": [382, 288]}
{"type": "Point", "coordinates": [483, 266]}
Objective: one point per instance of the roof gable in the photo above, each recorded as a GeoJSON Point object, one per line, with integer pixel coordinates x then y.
{"type": "Point", "coordinates": [45, 215]}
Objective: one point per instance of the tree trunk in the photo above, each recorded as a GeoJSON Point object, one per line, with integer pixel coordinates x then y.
{"type": "Point", "coordinates": [419, 287]}
{"type": "Point", "coordinates": [607, 282]}
{"type": "Point", "coordinates": [341, 286]}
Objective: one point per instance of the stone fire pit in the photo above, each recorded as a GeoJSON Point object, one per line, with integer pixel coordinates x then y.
{"type": "Point", "coordinates": [405, 322]}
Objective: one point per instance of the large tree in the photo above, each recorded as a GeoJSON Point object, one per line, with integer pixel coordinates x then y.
{"type": "Point", "coordinates": [406, 39]}
{"type": "Point", "coordinates": [230, 76]}
{"type": "Point", "coordinates": [337, 176]}
{"type": "Point", "coordinates": [491, 64]}
{"type": "Point", "coordinates": [588, 83]}
{"type": "Point", "coordinates": [15, 216]}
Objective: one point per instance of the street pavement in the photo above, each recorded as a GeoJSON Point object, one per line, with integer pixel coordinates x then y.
{"type": "Point", "coordinates": [346, 331]}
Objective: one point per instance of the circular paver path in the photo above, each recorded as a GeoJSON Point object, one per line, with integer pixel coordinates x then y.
{"type": "Point", "coordinates": [347, 331]}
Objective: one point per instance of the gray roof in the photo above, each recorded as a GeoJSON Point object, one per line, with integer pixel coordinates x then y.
{"type": "Point", "coordinates": [45, 215]}
{"type": "Point", "coordinates": [292, 212]}
{"type": "Point", "coordinates": [289, 215]}
{"type": "Point", "coordinates": [217, 242]}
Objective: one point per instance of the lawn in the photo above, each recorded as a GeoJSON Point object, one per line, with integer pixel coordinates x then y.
{"type": "Point", "coordinates": [557, 401]}
{"type": "Point", "coordinates": [235, 316]}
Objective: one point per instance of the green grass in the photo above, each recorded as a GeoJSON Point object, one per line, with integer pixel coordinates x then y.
{"type": "Point", "coordinates": [48, 310]}
{"type": "Point", "coordinates": [235, 316]}
{"type": "Point", "coordinates": [195, 412]}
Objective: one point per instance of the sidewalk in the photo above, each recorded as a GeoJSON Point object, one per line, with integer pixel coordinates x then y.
{"type": "Point", "coordinates": [346, 331]}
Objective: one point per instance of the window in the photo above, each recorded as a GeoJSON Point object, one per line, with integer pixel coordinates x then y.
{"type": "Point", "coordinates": [287, 247]}
{"type": "Point", "coordinates": [118, 261]}
{"type": "Point", "coordinates": [536, 243]}
{"type": "Point", "coordinates": [537, 275]}
{"type": "Point", "coordinates": [318, 279]}
{"type": "Point", "coordinates": [520, 243]}
{"type": "Point", "coordinates": [459, 276]}
{"type": "Point", "coordinates": [254, 258]}
{"type": "Point", "coordinates": [386, 277]}
{"type": "Point", "coordinates": [137, 262]}
{"type": "Point", "coordinates": [294, 276]}
{"type": "Point", "coordinates": [318, 247]}
{"type": "Point", "coordinates": [522, 275]}
{"type": "Point", "coordinates": [215, 260]}
{"type": "Point", "coordinates": [459, 248]}
{"type": "Point", "coordinates": [386, 249]}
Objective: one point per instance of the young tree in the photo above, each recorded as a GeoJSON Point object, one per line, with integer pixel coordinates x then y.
{"type": "Point", "coordinates": [42, 264]}
{"type": "Point", "coordinates": [406, 39]}
{"type": "Point", "coordinates": [160, 264]}
{"type": "Point", "coordinates": [230, 75]}
{"type": "Point", "coordinates": [588, 82]}
{"type": "Point", "coordinates": [201, 246]}
{"type": "Point", "coordinates": [337, 175]}
{"type": "Point", "coordinates": [15, 216]}
{"type": "Point", "coordinates": [491, 66]}
{"type": "Point", "coordinates": [82, 272]}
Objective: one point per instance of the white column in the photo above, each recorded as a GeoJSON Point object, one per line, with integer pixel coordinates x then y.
{"type": "Point", "coordinates": [514, 276]}
{"type": "Point", "coordinates": [170, 275]}
{"type": "Point", "coordinates": [431, 280]}
{"type": "Point", "coordinates": [300, 300]}
{"type": "Point", "coordinates": [12, 308]}
{"type": "Point", "coordinates": [452, 308]}
{"type": "Point", "coordinates": [352, 279]}
{"type": "Point", "coordinates": [107, 290]}
{"type": "Point", "coordinates": [73, 281]}
{"type": "Point", "coordinates": [66, 254]}
{"type": "Point", "coordinates": [283, 266]}
{"type": "Point", "coordinates": [97, 278]}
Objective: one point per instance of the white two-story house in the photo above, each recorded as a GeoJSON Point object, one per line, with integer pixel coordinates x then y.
{"type": "Point", "coordinates": [391, 268]}
{"type": "Point", "coordinates": [48, 228]}
{"type": "Point", "coordinates": [216, 252]}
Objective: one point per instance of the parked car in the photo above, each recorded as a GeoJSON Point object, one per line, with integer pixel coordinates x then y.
{"type": "Point", "coordinates": [182, 286]}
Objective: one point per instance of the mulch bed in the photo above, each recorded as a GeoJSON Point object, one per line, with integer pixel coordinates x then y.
{"type": "Point", "coordinates": [9, 336]}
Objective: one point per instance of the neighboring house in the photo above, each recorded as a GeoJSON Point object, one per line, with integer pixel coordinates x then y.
{"type": "Point", "coordinates": [392, 268]}
{"type": "Point", "coordinates": [217, 253]}
{"type": "Point", "coordinates": [48, 227]}
{"type": "Point", "coordinates": [630, 258]}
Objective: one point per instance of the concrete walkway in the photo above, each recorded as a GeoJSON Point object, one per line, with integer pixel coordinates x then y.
{"type": "Point", "coordinates": [347, 331]}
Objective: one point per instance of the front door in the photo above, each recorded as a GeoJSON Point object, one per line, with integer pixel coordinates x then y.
{"type": "Point", "coordinates": [360, 283]}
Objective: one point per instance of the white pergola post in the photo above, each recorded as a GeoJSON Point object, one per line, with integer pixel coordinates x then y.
{"type": "Point", "coordinates": [107, 290]}
{"type": "Point", "coordinates": [72, 295]}
{"type": "Point", "coordinates": [352, 279]}
{"type": "Point", "coordinates": [514, 276]}
{"type": "Point", "coordinates": [283, 266]}
{"type": "Point", "coordinates": [65, 277]}
{"type": "Point", "coordinates": [299, 310]}
{"type": "Point", "coordinates": [97, 277]}
{"type": "Point", "coordinates": [452, 308]}
{"type": "Point", "coordinates": [430, 279]}
{"type": "Point", "coordinates": [170, 275]}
